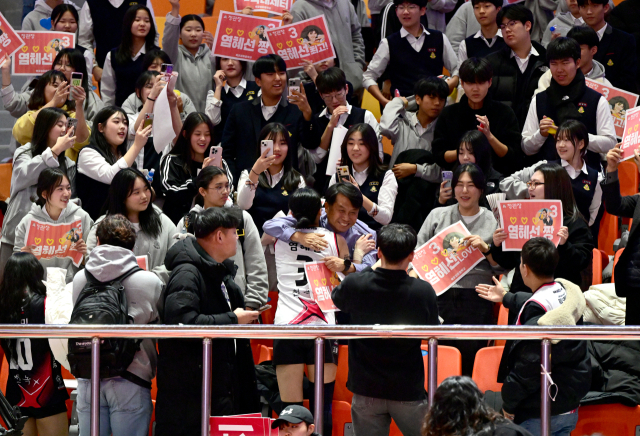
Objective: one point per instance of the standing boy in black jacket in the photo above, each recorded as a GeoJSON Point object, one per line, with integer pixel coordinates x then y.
{"type": "Point", "coordinates": [386, 376]}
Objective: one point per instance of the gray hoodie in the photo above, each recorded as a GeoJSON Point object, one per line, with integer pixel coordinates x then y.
{"type": "Point", "coordinates": [154, 248]}
{"type": "Point", "coordinates": [41, 11]}
{"type": "Point", "coordinates": [143, 289]}
{"type": "Point", "coordinates": [251, 276]}
{"type": "Point", "coordinates": [563, 22]}
{"type": "Point", "coordinates": [462, 25]}
{"type": "Point", "coordinates": [71, 213]}
{"type": "Point", "coordinates": [344, 28]}
{"type": "Point", "coordinates": [24, 178]}
{"type": "Point", "coordinates": [596, 74]}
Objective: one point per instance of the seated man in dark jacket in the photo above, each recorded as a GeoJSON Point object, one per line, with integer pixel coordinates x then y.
{"type": "Point", "coordinates": [201, 291]}
{"type": "Point", "coordinates": [553, 302]}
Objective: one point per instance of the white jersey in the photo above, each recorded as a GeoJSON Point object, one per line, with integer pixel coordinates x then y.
{"type": "Point", "coordinates": [295, 302]}
{"type": "Point", "coordinates": [549, 297]}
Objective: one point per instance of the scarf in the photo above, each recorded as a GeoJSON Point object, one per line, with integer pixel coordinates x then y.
{"type": "Point", "coordinates": [565, 98]}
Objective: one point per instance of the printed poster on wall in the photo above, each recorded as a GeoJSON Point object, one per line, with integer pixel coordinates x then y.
{"type": "Point", "coordinates": [10, 41]}
{"type": "Point", "coordinates": [304, 40]}
{"type": "Point", "coordinates": [526, 219]}
{"type": "Point", "coordinates": [620, 102]}
{"type": "Point", "coordinates": [630, 140]}
{"type": "Point", "coordinates": [322, 282]}
{"type": "Point", "coordinates": [55, 240]}
{"type": "Point", "coordinates": [444, 259]}
{"type": "Point", "coordinates": [241, 425]}
{"type": "Point", "coordinates": [39, 51]}
{"type": "Point", "coordinates": [272, 6]}
{"type": "Point", "coordinates": [242, 37]}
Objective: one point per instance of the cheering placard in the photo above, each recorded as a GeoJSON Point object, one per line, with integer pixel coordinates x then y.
{"type": "Point", "coordinates": [10, 42]}
{"type": "Point", "coordinates": [241, 425]}
{"type": "Point", "coordinates": [55, 240]}
{"type": "Point", "coordinates": [272, 6]}
{"type": "Point", "coordinates": [242, 37]}
{"type": "Point", "coordinates": [526, 219]}
{"type": "Point", "coordinates": [620, 102]}
{"type": "Point", "coordinates": [445, 258]}
{"type": "Point", "coordinates": [304, 40]}
{"type": "Point", "coordinates": [630, 140]}
{"type": "Point", "coordinates": [39, 51]}
{"type": "Point", "coordinates": [322, 281]}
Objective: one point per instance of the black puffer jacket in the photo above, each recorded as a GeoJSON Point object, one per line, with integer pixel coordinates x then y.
{"type": "Point", "coordinates": [616, 372]}
{"type": "Point", "coordinates": [193, 296]}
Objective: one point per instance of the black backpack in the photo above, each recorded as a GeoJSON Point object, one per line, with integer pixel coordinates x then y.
{"type": "Point", "coordinates": [102, 303]}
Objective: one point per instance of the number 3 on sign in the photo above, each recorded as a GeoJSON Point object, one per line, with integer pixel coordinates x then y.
{"type": "Point", "coordinates": [434, 247]}
{"type": "Point", "coordinates": [554, 211]}
{"type": "Point", "coordinates": [293, 33]}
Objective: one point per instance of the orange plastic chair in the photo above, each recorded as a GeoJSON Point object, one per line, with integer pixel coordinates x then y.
{"type": "Point", "coordinates": [449, 363]}
{"type": "Point", "coordinates": [615, 261]}
{"type": "Point", "coordinates": [5, 180]}
{"type": "Point", "coordinates": [485, 368]}
{"type": "Point", "coordinates": [268, 316]}
{"type": "Point", "coordinates": [340, 391]}
{"type": "Point", "coordinates": [341, 413]}
{"type": "Point", "coordinates": [599, 263]}
{"type": "Point", "coordinates": [266, 353]}
{"type": "Point", "coordinates": [608, 233]}
{"type": "Point", "coordinates": [503, 319]}
{"type": "Point", "coordinates": [629, 178]}
{"type": "Point", "coordinates": [609, 419]}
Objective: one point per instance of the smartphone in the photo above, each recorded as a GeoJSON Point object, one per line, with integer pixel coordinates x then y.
{"type": "Point", "coordinates": [447, 176]}
{"type": "Point", "coordinates": [266, 144]}
{"type": "Point", "coordinates": [148, 120]}
{"type": "Point", "coordinates": [76, 80]}
{"type": "Point", "coordinates": [216, 154]}
{"type": "Point", "coordinates": [265, 307]}
{"type": "Point", "coordinates": [72, 123]}
{"type": "Point", "coordinates": [166, 70]}
{"type": "Point", "coordinates": [343, 174]}
{"type": "Point", "coordinates": [294, 85]}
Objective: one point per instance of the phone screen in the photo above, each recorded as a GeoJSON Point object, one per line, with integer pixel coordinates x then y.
{"type": "Point", "coordinates": [148, 120]}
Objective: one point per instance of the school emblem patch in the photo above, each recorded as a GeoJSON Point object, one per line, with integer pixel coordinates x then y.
{"type": "Point", "coordinates": [610, 63]}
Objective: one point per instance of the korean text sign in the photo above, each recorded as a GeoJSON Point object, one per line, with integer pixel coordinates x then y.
{"type": "Point", "coordinates": [242, 37]}
{"type": "Point", "coordinates": [620, 102]}
{"type": "Point", "coordinates": [247, 425]}
{"type": "Point", "coordinates": [55, 240]}
{"type": "Point", "coordinates": [304, 40]}
{"type": "Point", "coordinates": [321, 281]}
{"type": "Point", "coordinates": [10, 41]}
{"type": "Point", "coordinates": [39, 51]}
{"type": "Point", "coordinates": [526, 219]}
{"type": "Point", "coordinates": [445, 258]}
{"type": "Point", "coordinates": [631, 137]}
{"type": "Point", "coordinates": [271, 6]}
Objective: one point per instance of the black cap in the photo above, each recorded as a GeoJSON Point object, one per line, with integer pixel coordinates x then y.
{"type": "Point", "coordinates": [294, 415]}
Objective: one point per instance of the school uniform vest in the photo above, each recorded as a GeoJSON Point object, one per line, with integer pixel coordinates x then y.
{"type": "Point", "coordinates": [370, 189]}
{"type": "Point", "coordinates": [407, 66]}
{"type": "Point", "coordinates": [478, 48]}
{"type": "Point", "coordinates": [586, 114]}
{"type": "Point", "coordinates": [584, 188]}
{"type": "Point", "coordinates": [126, 75]}
{"type": "Point", "coordinates": [228, 101]}
{"type": "Point", "coordinates": [267, 202]}
{"type": "Point", "coordinates": [107, 25]}
{"type": "Point", "coordinates": [91, 192]}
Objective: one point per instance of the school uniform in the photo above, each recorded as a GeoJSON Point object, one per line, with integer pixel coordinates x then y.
{"type": "Point", "coordinates": [477, 46]}
{"type": "Point", "coordinates": [219, 110]}
{"type": "Point", "coordinates": [617, 52]}
{"type": "Point", "coordinates": [119, 78]}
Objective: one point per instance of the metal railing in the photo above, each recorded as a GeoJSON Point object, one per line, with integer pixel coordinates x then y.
{"type": "Point", "coordinates": [319, 333]}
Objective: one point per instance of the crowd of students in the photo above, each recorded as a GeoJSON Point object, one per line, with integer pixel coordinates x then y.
{"type": "Point", "coordinates": [514, 117]}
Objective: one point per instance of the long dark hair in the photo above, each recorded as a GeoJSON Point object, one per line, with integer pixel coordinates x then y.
{"type": "Point", "coordinates": [204, 179]}
{"type": "Point", "coordinates": [48, 180]}
{"type": "Point", "coordinates": [98, 139]}
{"type": "Point", "coordinates": [47, 118]}
{"type": "Point", "coordinates": [23, 274]}
{"type": "Point", "coordinates": [370, 140]}
{"type": "Point", "coordinates": [77, 62]}
{"type": "Point", "coordinates": [120, 189]}
{"type": "Point", "coordinates": [183, 144]}
{"type": "Point", "coordinates": [290, 177]}
{"type": "Point", "coordinates": [304, 205]}
{"type": "Point", "coordinates": [36, 101]}
{"type": "Point", "coordinates": [459, 409]}
{"type": "Point", "coordinates": [60, 10]}
{"type": "Point", "coordinates": [123, 52]}
{"type": "Point", "coordinates": [480, 147]}
{"type": "Point", "coordinates": [557, 186]}
{"type": "Point", "coordinates": [574, 132]}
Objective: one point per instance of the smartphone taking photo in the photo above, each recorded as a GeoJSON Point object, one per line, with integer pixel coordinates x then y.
{"type": "Point", "coordinates": [216, 154]}
{"type": "Point", "coordinates": [72, 123]}
{"type": "Point", "coordinates": [447, 176]}
{"type": "Point", "coordinates": [294, 85]}
{"type": "Point", "coordinates": [76, 80]}
{"type": "Point", "coordinates": [343, 174]}
{"type": "Point", "coordinates": [266, 144]}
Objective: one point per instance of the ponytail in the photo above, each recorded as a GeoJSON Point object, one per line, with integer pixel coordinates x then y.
{"type": "Point", "coordinates": [304, 205]}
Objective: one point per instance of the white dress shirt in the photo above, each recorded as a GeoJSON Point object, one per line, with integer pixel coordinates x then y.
{"type": "Point", "coordinates": [597, 196]}
{"type": "Point", "coordinates": [247, 191]}
{"type": "Point", "coordinates": [602, 142]}
{"type": "Point", "coordinates": [386, 195]}
{"type": "Point", "coordinates": [522, 63]}
{"type": "Point", "coordinates": [381, 59]}
{"type": "Point", "coordinates": [601, 31]}
{"type": "Point", "coordinates": [108, 84]}
{"type": "Point", "coordinates": [268, 111]}
{"type": "Point", "coordinates": [213, 105]}
{"type": "Point", "coordinates": [462, 48]}
{"type": "Point", "coordinates": [93, 164]}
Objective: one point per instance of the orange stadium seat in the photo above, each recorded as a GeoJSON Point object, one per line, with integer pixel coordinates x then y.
{"type": "Point", "coordinates": [503, 319]}
{"type": "Point", "coordinates": [449, 363]}
{"type": "Point", "coordinates": [485, 368]}
{"type": "Point", "coordinates": [5, 180]}
{"type": "Point", "coordinates": [615, 261]}
{"type": "Point", "coordinates": [340, 391]}
{"type": "Point", "coordinates": [600, 262]}
{"type": "Point", "coordinates": [607, 419]}
{"type": "Point", "coordinates": [608, 233]}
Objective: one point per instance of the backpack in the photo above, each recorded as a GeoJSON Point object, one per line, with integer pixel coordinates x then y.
{"type": "Point", "coordinates": [190, 217]}
{"type": "Point", "coordinates": [102, 303]}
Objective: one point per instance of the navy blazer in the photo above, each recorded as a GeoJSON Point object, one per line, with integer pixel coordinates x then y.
{"type": "Point", "coordinates": [617, 52]}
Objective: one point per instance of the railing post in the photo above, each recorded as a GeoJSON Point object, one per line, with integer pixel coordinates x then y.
{"type": "Point", "coordinates": [95, 387]}
{"type": "Point", "coordinates": [206, 385]}
{"type": "Point", "coordinates": [433, 369]}
{"type": "Point", "coordinates": [319, 385]}
{"type": "Point", "coordinates": [545, 404]}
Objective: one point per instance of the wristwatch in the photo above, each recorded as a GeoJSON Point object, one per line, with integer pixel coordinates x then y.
{"type": "Point", "coordinates": [347, 265]}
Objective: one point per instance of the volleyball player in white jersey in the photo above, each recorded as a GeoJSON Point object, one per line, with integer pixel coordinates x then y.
{"type": "Point", "coordinates": [296, 304]}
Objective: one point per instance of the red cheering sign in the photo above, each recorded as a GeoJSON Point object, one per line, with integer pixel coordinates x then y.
{"type": "Point", "coordinates": [445, 258]}
{"type": "Point", "coordinates": [304, 40]}
{"type": "Point", "coordinates": [322, 281]}
{"type": "Point", "coordinates": [10, 42]}
{"type": "Point", "coordinates": [630, 139]}
{"type": "Point", "coordinates": [241, 425]}
{"type": "Point", "coordinates": [55, 240]}
{"type": "Point", "coordinates": [271, 6]}
{"type": "Point", "coordinates": [526, 219]}
{"type": "Point", "coordinates": [242, 37]}
{"type": "Point", "coordinates": [620, 102]}
{"type": "Point", "coordinates": [39, 51]}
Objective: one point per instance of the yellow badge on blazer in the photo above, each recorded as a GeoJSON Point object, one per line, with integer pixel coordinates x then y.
{"type": "Point", "coordinates": [284, 192]}
{"type": "Point", "coordinates": [433, 56]}
{"type": "Point", "coordinates": [610, 63]}
{"type": "Point", "coordinates": [581, 110]}
{"type": "Point", "coordinates": [586, 188]}
{"type": "Point", "coordinates": [373, 189]}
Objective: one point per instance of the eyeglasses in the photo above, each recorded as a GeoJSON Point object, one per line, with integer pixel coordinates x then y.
{"type": "Point", "coordinates": [533, 184]}
{"type": "Point", "coordinates": [337, 96]}
{"type": "Point", "coordinates": [62, 67]}
{"type": "Point", "coordinates": [511, 24]}
{"type": "Point", "coordinates": [221, 189]}
{"type": "Point", "coordinates": [410, 8]}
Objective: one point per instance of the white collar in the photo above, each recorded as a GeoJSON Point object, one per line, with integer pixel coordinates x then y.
{"type": "Point", "coordinates": [242, 84]}
{"type": "Point", "coordinates": [480, 35]}
{"type": "Point", "coordinates": [533, 51]}
{"type": "Point", "coordinates": [417, 124]}
{"type": "Point", "coordinates": [363, 172]}
{"type": "Point", "coordinates": [274, 106]}
{"type": "Point", "coordinates": [566, 164]}
{"type": "Point", "coordinates": [404, 33]}
{"type": "Point", "coordinates": [142, 51]}
{"type": "Point", "coordinates": [601, 31]}
{"type": "Point", "coordinates": [325, 111]}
